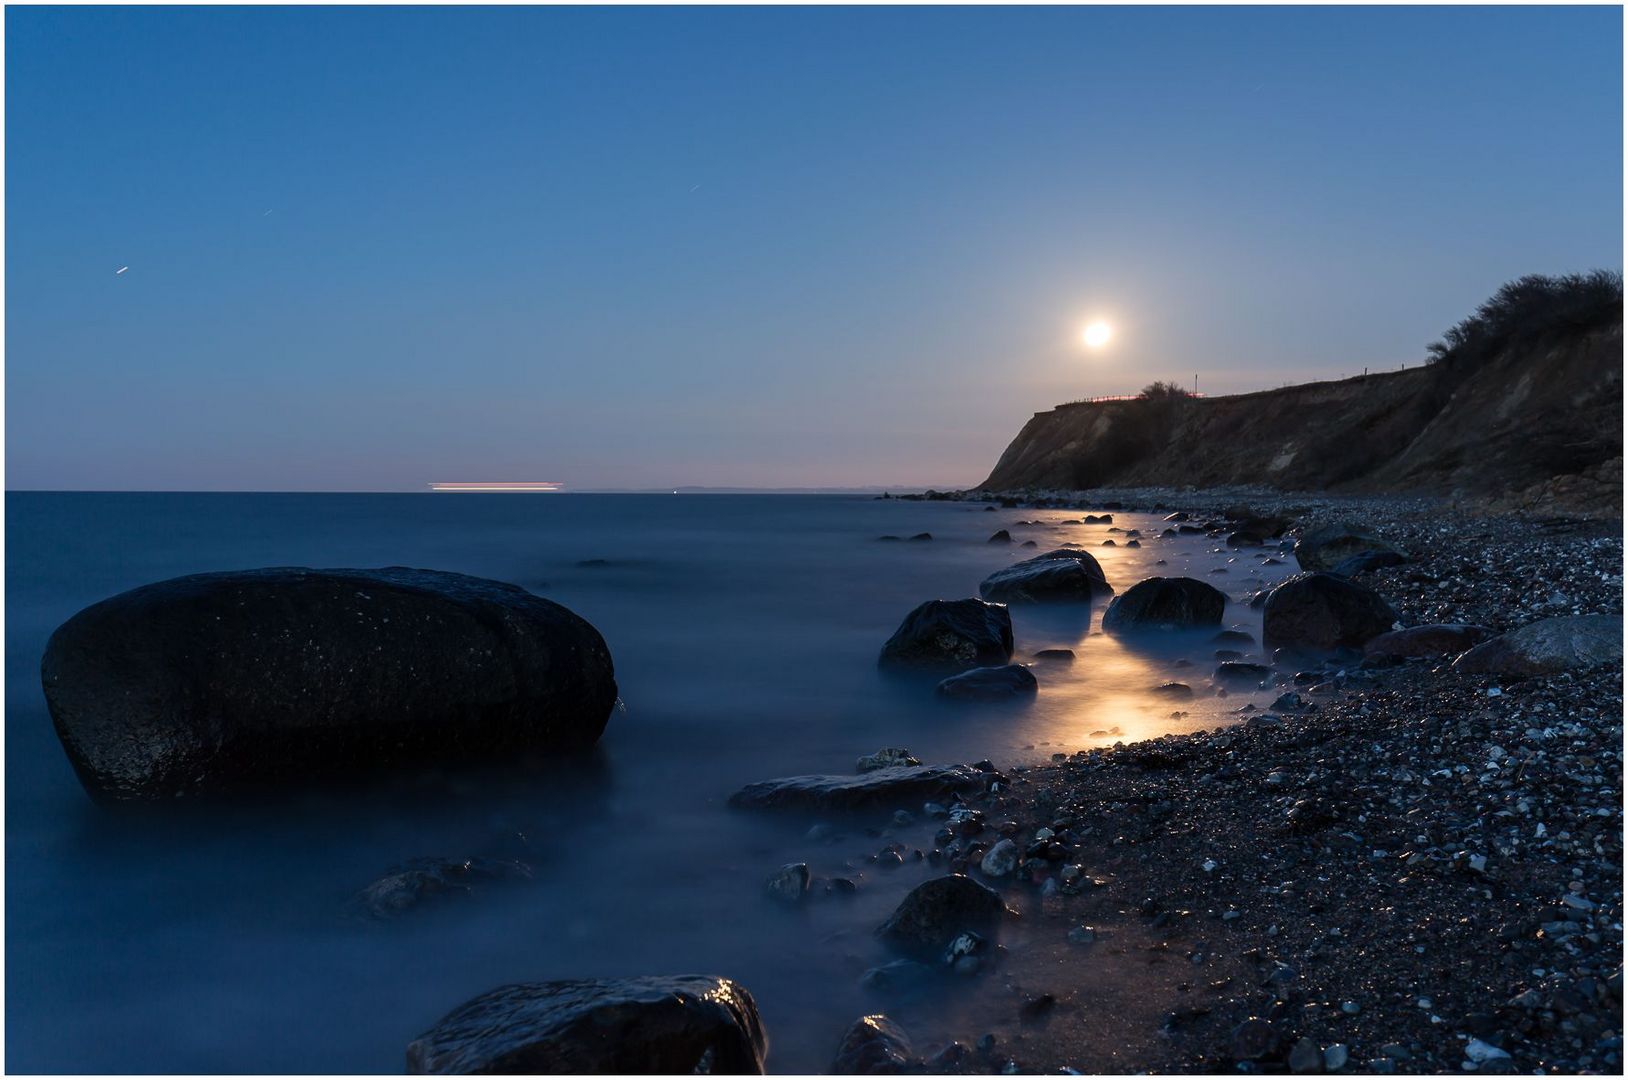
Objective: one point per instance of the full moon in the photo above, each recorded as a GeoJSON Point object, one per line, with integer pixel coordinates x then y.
{"type": "Point", "coordinates": [1096, 335]}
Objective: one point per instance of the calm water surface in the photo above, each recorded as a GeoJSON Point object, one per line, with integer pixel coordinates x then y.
{"type": "Point", "coordinates": [745, 631]}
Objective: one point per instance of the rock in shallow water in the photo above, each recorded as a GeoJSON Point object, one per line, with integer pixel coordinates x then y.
{"type": "Point", "coordinates": [219, 683]}
{"type": "Point", "coordinates": [1063, 574]}
{"type": "Point", "coordinates": [878, 789]}
{"type": "Point", "coordinates": [990, 684]}
{"type": "Point", "coordinates": [1165, 604]}
{"type": "Point", "coordinates": [426, 880]}
{"type": "Point", "coordinates": [1549, 646]}
{"type": "Point", "coordinates": [950, 634]}
{"type": "Point", "coordinates": [674, 1024]}
{"type": "Point", "coordinates": [874, 1045]}
{"type": "Point", "coordinates": [1324, 611]}
{"type": "Point", "coordinates": [886, 758]}
{"type": "Point", "coordinates": [936, 912]}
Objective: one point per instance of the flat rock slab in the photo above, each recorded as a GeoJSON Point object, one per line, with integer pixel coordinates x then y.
{"type": "Point", "coordinates": [878, 789]}
{"type": "Point", "coordinates": [257, 679]}
{"type": "Point", "coordinates": [1548, 646]}
{"type": "Point", "coordinates": [656, 1025]}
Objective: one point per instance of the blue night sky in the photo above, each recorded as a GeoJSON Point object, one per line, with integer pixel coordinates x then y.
{"type": "Point", "coordinates": [370, 248]}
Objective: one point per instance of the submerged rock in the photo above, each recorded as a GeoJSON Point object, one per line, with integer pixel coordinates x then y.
{"type": "Point", "coordinates": [1433, 639]}
{"type": "Point", "coordinates": [1059, 575]}
{"type": "Point", "coordinates": [1548, 646]}
{"type": "Point", "coordinates": [990, 684]}
{"type": "Point", "coordinates": [1326, 548]}
{"type": "Point", "coordinates": [938, 911]}
{"type": "Point", "coordinates": [880, 788]}
{"type": "Point", "coordinates": [1064, 655]}
{"type": "Point", "coordinates": [789, 884]}
{"type": "Point", "coordinates": [1241, 671]}
{"type": "Point", "coordinates": [414, 883]}
{"type": "Point", "coordinates": [874, 1045]}
{"type": "Point", "coordinates": [676, 1024]}
{"type": "Point", "coordinates": [218, 683]}
{"type": "Point", "coordinates": [951, 634]}
{"type": "Point", "coordinates": [1165, 604]}
{"type": "Point", "coordinates": [1324, 611]}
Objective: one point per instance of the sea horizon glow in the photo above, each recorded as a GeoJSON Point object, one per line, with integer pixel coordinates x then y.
{"type": "Point", "coordinates": [648, 248]}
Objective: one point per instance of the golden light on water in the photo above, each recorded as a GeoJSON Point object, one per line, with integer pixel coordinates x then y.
{"type": "Point", "coordinates": [1096, 334]}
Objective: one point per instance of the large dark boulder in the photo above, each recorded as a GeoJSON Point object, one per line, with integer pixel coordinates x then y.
{"type": "Point", "coordinates": [1327, 547]}
{"type": "Point", "coordinates": [1549, 646]}
{"type": "Point", "coordinates": [887, 788]}
{"type": "Point", "coordinates": [873, 1046]}
{"type": "Point", "coordinates": [218, 683]}
{"type": "Point", "coordinates": [990, 684]}
{"type": "Point", "coordinates": [1063, 574]}
{"type": "Point", "coordinates": [1324, 611]}
{"type": "Point", "coordinates": [1165, 604]}
{"type": "Point", "coordinates": [1431, 639]}
{"type": "Point", "coordinates": [937, 911]}
{"type": "Point", "coordinates": [666, 1025]}
{"type": "Point", "coordinates": [951, 634]}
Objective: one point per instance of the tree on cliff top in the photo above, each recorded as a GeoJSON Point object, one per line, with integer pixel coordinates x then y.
{"type": "Point", "coordinates": [1164, 391]}
{"type": "Point", "coordinates": [1532, 310]}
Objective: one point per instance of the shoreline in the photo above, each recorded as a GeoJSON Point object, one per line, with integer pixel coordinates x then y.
{"type": "Point", "coordinates": [1417, 871]}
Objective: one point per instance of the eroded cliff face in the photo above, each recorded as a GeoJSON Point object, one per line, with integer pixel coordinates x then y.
{"type": "Point", "coordinates": [1528, 421]}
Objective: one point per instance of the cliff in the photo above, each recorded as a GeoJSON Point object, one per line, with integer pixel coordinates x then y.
{"type": "Point", "coordinates": [1526, 422]}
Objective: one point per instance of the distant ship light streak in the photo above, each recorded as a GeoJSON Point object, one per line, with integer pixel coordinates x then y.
{"type": "Point", "coordinates": [499, 486]}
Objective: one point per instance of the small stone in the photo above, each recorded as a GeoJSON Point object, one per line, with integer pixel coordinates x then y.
{"type": "Point", "coordinates": [1083, 935]}
{"type": "Point", "coordinates": [1335, 1057]}
{"type": "Point", "coordinates": [1305, 1057]}
{"type": "Point", "coordinates": [1253, 1039]}
{"type": "Point", "coordinates": [1482, 1052]}
{"type": "Point", "coordinates": [1000, 860]}
{"type": "Point", "coordinates": [789, 884]}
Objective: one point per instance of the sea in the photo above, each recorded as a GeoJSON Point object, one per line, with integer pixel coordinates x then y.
{"type": "Point", "coordinates": [222, 938]}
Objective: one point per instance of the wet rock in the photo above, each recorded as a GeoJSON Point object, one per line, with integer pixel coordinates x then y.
{"type": "Point", "coordinates": [220, 683]}
{"type": "Point", "coordinates": [414, 883]}
{"type": "Point", "coordinates": [1000, 860]}
{"type": "Point", "coordinates": [1165, 604]}
{"type": "Point", "coordinates": [922, 536]}
{"type": "Point", "coordinates": [1368, 561]}
{"type": "Point", "coordinates": [937, 911]}
{"type": "Point", "coordinates": [1002, 537]}
{"type": "Point", "coordinates": [1065, 574]}
{"type": "Point", "coordinates": [1234, 672]}
{"type": "Point", "coordinates": [1326, 548]}
{"type": "Point", "coordinates": [1433, 639]}
{"type": "Point", "coordinates": [990, 684]}
{"type": "Point", "coordinates": [1238, 638]}
{"type": "Point", "coordinates": [1323, 611]}
{"type": "Point", "coordinates": [1060, 655]}
{"type": "Point", "coordinates": [1173, 690]}
{"type": "Point", "coordinates": [1335, 1057]}
{"type": "Point", "coordinates": [874, 1045]}
{"type": "Point", "coordinates": [889, 757]}
{"type": "Point", "coordinates": [1305, 1057]}
{"type": "Point", "coordinates": [789, 884]}
{"type": "Point", "coordinates": [645, 1025]}
{"type": "Point", "coordinates": [1253, 1040]}
{"type": "Point", "coordinates": [880, 788]}
{"type": "Point", "coordinates": [1549, 646]}
{"type": "Point", "coordinates": [951, 634]}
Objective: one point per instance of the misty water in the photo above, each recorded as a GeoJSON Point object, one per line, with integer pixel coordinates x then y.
{"type": "Point", "coordinates": [744, 630]}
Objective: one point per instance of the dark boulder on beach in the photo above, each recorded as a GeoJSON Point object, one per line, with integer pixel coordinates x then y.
{"type": "Point", "coordinates": [873, 1046]}
{"type": "Point", "coordinates": [937, 911]}
{"type": "Point", "coordinates": [220, 683]}
{"type": "Point", "coordinates": [1367, 562]}
{"type": "Point", "coordinates": [1165, 604]}
{"type": "Point", "coordinates": [1432, 639]}
{"type": "Point", "coordinates": [1549, 646]}
{"type": "Point", "coordinates": [1060, 575]}
{"type": "Point", "coordinates": [887, 788]}
{"type": "Point", "coordinates": [1326, 548]}
{"type": "Point", "coordinates": [951, 634]}
{"type": "Point", "coordinates": [990, 684]}
{"type": "Point", "coordinates": [1324, 611]}
{"type": "Point", "coordinates": [655, 1025]}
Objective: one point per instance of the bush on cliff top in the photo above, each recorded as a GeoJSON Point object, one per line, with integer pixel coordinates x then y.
{"type": "Point", "coordinates": [1533, 310]}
